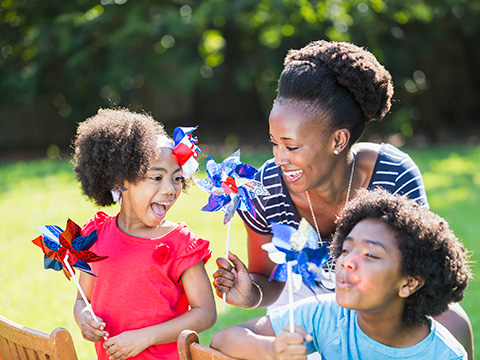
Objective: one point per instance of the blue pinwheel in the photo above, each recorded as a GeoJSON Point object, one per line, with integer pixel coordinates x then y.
{"type": "Point", "coordinates": [231, 185]}
{"type": "Point", "coordinates": [302, 249]}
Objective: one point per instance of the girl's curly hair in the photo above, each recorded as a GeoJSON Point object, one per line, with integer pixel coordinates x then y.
{"type": "Point", "coordinates": [340, 79]}
{"type": "Point", "coordinates": [430, 250]}
{"type": "Point", "coordinates": [111, 147]}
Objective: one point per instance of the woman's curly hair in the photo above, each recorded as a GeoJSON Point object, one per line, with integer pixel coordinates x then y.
{"type": "Point", "coordinates": [341, 79]}
{"type": "Point", "coordinates": [430, 250]}
{"type": "Point", "coordinates": [111, 147]}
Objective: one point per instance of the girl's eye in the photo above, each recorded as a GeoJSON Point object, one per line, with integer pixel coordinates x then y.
{"type": "Point", "coordinates": [156, 178]}
{"type": "Point", "coordinates": [371, 256]}
{"type": "Point", "coordinates": [345, 251]}
{"type": "Point", "coordinates": [178, 179]}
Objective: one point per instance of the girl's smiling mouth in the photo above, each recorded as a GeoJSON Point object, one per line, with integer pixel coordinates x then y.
{"type": "Point", "coordinates": [160, 208]}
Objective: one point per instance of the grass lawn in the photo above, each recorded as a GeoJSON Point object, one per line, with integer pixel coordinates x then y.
{"type": "Point", "coordinates": [45, 192]}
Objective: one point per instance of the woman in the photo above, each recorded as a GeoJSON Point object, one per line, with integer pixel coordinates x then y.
{"type": "Point", "coordinates": [327, 92]}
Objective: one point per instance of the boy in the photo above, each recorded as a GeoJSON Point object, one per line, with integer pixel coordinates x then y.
{"type": "Point", "coordinates": [397, 264]}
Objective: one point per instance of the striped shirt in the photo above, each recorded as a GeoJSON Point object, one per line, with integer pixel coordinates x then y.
{"type": "Point", "coordinates": [394, 171]}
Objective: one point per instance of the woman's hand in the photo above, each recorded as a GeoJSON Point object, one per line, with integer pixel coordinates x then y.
{"type": "Point", "coordinates": [235, 282]}
{"type": "Point", "coordinates": [290, 345]}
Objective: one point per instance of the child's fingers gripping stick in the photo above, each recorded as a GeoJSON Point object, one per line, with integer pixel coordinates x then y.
{"type": "Point", "coordinates": [289, 345]}
{"type": "Point", "coordinates": [92, 329]}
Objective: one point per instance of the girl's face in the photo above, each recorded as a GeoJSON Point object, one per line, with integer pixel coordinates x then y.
{"type": "Point", "coordinates": [146, 203]}
{"type": "Point", "coordinates": [368, 272]}
{"type": "Point", "coordinates": [301, 146]}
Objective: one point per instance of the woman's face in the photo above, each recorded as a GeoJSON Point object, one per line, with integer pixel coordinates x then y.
{"type": "Point", "coordinates": [301, 145]}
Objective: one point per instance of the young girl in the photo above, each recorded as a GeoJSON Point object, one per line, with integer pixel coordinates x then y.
{"type": "Point", "coordinates": [153, 283]}
{"type": "Point", "coordinates": [389, 284]}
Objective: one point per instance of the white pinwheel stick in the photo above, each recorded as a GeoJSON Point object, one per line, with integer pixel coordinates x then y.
{"type": "Point", "coordinates": [290, 294]}
{"type": "Point", "coordinates": [224, 297]}
{"type": "Point", "coordinates": [80, 290]}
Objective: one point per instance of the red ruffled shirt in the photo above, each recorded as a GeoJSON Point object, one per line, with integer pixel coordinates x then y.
{"type": "Point", "coordinates": [139, 284]}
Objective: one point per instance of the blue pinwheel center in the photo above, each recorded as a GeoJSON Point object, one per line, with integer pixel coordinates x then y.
{"type": "Point", "coordinates": [301, 248]}
{"type": "Point", "coordinates": [231, 185]}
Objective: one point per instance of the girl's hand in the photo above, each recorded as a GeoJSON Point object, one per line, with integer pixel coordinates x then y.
{"type": "Point", "coordinates": [289, 345]}
{"type": "Point", "coordinates": [234, 281]}
{"type": "Point", "coordinates": [91, 329]}
{"type": "Point", "coordinates": [125, 345]}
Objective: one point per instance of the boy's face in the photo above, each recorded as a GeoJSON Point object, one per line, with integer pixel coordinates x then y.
{"type": "Point", "coordinates": [148, 201]}
{"type": "Point", "coordinates": [368, 270]}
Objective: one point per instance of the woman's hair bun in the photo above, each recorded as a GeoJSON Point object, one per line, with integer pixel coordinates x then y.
{"type": "Point", "coordinates": [355, 68]}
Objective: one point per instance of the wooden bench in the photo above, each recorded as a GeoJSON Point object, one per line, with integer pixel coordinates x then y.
{"type": "Point", "coordinates": [18, 342]}
{"type": "Point", "coordinates": [190, 349]}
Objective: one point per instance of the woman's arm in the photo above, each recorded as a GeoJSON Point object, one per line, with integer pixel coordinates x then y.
{"type": "Point", "coordinates": [260, 267]}
{"type": "Point", "coordinates": [201, 316]}
{"type": "Point", "coordinates": [236, 280]}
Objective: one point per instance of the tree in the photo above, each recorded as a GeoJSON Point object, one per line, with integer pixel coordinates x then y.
{"type": "Point", "coordinates": [216, 62]}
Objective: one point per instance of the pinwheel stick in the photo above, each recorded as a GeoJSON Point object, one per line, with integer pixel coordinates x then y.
{"type": "Point", "coordinates": [290, 295]}
{"type": "Point", "coordinates": [227, 246]}
{"type": "Point", "coordinates": [80, 290]}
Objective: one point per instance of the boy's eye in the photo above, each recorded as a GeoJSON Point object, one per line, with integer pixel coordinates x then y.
{"type": "Point", "coordinates": [292, 148]}
{"type": "Point", "coordinates": [178, 179]}
{"type": "Point", "coordinates": [273, 143]}
{"type": "Point", "coordinates": [345, 251]}
{"type": "Point", "coordinates": [156, 178]}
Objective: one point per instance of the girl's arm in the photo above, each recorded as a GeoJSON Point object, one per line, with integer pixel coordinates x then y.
{"type": "Point", "coordinates": [255, 339]}
{"type": "Point", "coordinates": [91, 330]}
{"type": "Point", "coordinates": [201, 316]}
{"type": "Point", "coordinates": [236, 281]}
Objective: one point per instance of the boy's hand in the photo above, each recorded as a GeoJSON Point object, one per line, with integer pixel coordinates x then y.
{"type": "Point", "coordinates": [290, 345]}
{"type": "Point", "coordinates": [125, 345]}
{"type": "Point", "coordinates": [91, 329]}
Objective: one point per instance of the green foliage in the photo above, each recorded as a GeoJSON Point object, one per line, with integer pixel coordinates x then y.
{"type": "Point", "coordinates": [84, 54]}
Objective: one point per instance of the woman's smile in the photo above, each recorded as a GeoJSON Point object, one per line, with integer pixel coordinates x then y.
{"type": "Point", "coordinates": [292, 176]}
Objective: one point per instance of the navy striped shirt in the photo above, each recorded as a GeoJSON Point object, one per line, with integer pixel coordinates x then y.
{"type": "Point", "coordinates": [394, 171]}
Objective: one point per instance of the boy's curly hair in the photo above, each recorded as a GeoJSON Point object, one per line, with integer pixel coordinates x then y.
{"type": "Point", "coordinates": [111, 147]}
{"type": "Point", "coordinates": [429, 249]}
{"type": "Point", "coordinates": [342, 80]}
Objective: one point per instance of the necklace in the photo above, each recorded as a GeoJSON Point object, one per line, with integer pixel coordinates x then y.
{"type": "Point", "coordinates": [311, 207]}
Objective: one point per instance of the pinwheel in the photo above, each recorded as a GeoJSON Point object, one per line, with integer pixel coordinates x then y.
{"type": "Point", "coordinates": [232, 186]}
{"type": "Point", "coordinates": [298, 256]}
{"type": "Point", "coordinates": [55, 244]}
{"type": "Point", "coordinates": [186, 149]}
{"type": "Point", "coordinates": [64, 250]}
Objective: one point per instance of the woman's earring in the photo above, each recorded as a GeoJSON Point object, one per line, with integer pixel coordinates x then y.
{"type": "Point", "coordinates": [336, 152]}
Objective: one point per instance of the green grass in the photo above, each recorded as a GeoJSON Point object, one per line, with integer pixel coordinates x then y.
{"type": "Point", "coordinates": [45, 192]}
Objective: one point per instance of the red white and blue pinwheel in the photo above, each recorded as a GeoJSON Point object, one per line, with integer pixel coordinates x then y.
{"type": "Point", "coordinates": [300, 247]}
{"type": "Point", "coordinates": [65, 249]}
{"type": "Point", "coordinates": [57, 244]}
{"type": "Point", "coordinates": [231, 185]}
{"type": "Point", "coordinates": [186, 149]}
{"type": "Point", "coordinates": [298, 256]}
